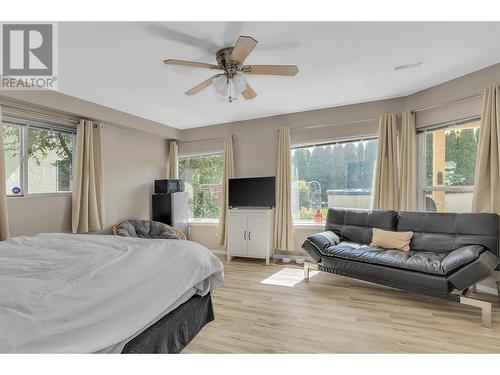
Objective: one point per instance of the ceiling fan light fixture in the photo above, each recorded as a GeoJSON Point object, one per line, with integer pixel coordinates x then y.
{"type": "Point", "coordinates": [230, 87]}
{"type": "Point", "coordinates": [231, 83]}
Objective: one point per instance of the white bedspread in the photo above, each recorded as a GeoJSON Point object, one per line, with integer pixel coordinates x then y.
{"type": "Point", "coordinates": [85, 293]}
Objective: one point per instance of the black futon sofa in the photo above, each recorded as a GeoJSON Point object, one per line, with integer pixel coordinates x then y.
{"type": "Point", "coordinates": [449, 253]}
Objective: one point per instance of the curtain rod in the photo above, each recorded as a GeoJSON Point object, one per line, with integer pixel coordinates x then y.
{"type": "Point", "coordinates": [334, 124]}
{"type": "Point", "coordinates": [202, 140]}
{"type": "Point", "coordinates": [18, 108]}
{"type": "Point", "coordinates": [437, 105]}
{"type": "Point", "coordinates": [448, 102]}
{"type": "Point", "coordinates": [294, 129]}
{"type": "Point", "coordinates": [36, 112]}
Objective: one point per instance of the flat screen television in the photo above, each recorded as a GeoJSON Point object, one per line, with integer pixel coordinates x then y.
{"type": "Point", "coordinates": [252, 192]}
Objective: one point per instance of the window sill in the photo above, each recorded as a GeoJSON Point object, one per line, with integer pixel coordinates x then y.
{"type": "Point", "coordinates": [307, 225]}
{"type": "Point", "coordinates": [41, 195]}
{"type": "Point", "coordinates": [203, 222]}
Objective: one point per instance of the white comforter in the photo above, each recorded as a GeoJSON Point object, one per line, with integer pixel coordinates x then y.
{"type": "Point", "coordinates": [85, 293]}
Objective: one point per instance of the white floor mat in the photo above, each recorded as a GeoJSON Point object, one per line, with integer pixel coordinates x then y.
{"type": "Point", "coordinates": [288, 277]}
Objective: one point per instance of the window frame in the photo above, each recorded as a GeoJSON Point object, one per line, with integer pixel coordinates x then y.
{"type": "Point", "coordinates": [422, 188]}
{"type": "Point", "coordinates": [301, 223]}
{"type": "Point", "coordinates": [24, 126]}
{"type": "Point", "coordinates": [205, 220]}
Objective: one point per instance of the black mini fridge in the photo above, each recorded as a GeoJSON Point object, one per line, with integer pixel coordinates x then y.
{"type": "Point", "coordinates": [172, 209]}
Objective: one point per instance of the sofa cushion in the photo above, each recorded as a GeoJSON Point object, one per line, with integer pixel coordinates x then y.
{"type": "Point", "coordinates": [445, 232]}
{"type": "Point", "coordinates": [356, 225]}
{"type": "Point", "coordinates": [324, 240]}
{"type": "Point", "coordinates": [316, 244]}
{"type": "Point", "coordinates": [441, 264]}
{"type": "Point", "coordinates": [427, 262]}
{"type": "Point", "coordinates": [460, 257]}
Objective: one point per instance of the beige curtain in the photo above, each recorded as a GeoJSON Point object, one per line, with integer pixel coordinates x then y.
{"type": "Point", "coordinates": [173, 160]}
{"type": "Point", "coordinates": [487, 180]}
{"type": "Point", "coordinates": [88, 201]}
{"type": "Point", "coordinates": [4, 217]}
{"type": "Point", "coordinates": [408, 163]}
{"type": "Point", "coordinates": [227, 174]}
{"type": "Point", "coordinates": [283, 226]}
{"type": "Point", "coordinates": [385, 192]}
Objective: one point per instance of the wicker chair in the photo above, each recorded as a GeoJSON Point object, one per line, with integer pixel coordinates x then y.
{"type": "Point", "coordinates": [146, 229]}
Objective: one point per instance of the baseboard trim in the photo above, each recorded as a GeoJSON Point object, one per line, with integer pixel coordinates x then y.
{"type": "Point", "coordinates": [293, 257]}
{"type": "Point", "coordinates": [219, 252]}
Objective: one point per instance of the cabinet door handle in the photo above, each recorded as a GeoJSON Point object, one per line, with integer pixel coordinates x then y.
{"type": "Point", "coordinates": [245, 235]}
{"type": "Point", "coordinates": [249, 238]}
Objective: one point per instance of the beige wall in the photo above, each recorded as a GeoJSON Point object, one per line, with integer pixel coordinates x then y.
{"type": "Point", "coordinates": [41, 214]}
{"type": "Point", "coordinates": [255, 141]}
{"type": "Point", "coordinates": [457, 88]}
{"type": "Point", "coordinates": [205, 233]}
{"type": "Point", "coordinates": [132, 161]}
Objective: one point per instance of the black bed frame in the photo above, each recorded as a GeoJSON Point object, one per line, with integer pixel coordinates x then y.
{"type": "Point", "coordinates": [174, 331]}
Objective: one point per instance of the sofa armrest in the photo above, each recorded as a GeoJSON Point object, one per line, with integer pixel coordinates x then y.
{"type": "Point", "coordinates": [316, 244]}
{"type": "Point", "coordinates": [460, 257]}
{"type": "Point", "coordinates": [475, 271]}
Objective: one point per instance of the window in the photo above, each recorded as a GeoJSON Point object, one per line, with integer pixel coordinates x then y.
{"type": "Point", "coordinates": [38, 158]}
{"type": "Point", "coordinates": [447, 164]}
{"type": "Point", "coordinates": [332, 175]}
{"type": "Point", "coordinates": [202, 177]}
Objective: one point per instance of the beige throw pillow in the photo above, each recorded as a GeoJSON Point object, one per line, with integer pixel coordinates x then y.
{"type": "Point", "coordinates": [386, 239]}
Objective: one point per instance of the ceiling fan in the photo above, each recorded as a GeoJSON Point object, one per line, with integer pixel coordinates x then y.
{"type": "Point", "coordinates": [231, 81]}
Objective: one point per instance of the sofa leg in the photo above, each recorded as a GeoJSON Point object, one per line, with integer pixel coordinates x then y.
{"type": "Point", "coordinates": [309, 266]}
{"type": "Point", "coordinates": [484, 306]}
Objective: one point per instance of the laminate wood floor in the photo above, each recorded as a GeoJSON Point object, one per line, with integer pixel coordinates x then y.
{"type": "Point", "coordinates": [335, 314]}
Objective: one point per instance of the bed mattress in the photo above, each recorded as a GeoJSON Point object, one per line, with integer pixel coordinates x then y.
{"type": "Point", "coordinates": [63, 293]}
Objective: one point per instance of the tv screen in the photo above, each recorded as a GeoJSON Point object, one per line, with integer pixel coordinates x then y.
{"type": "Point", "coordinates": [252, 192]}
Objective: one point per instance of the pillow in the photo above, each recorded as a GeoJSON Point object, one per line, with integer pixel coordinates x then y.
{"type": "Point", "coordinates": [386, 239]}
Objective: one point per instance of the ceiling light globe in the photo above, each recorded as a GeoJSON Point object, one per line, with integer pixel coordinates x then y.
{"type": "Point", "coordinates": [240, 83]}
{"type": "Point", "coordinates": [221, 85]}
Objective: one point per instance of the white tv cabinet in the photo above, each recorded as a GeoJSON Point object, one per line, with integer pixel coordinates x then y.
{"type": "Point", "coordinates": [250, 233]}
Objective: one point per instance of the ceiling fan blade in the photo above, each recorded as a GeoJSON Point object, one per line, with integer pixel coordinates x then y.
{"type": "Point", "coordinates": [244, 45]}
{"type": "Point", "coordinates": [201, 86]}
{"type": "Point", "coordinates": [191, 63]}
{"type": "Point", "coordinates": [162, 31]}
{"type": "Point", "coordinates": [276, 70]}
{"type": "Point", "coordinates": [248, 93]}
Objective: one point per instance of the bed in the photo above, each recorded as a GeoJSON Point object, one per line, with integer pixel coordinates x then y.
{"type": "Point", "coordinates": [64, 293]}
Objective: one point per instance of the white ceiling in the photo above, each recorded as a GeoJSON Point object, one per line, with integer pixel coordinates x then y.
{"type": "Point", "coordinates": [120, 64]}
